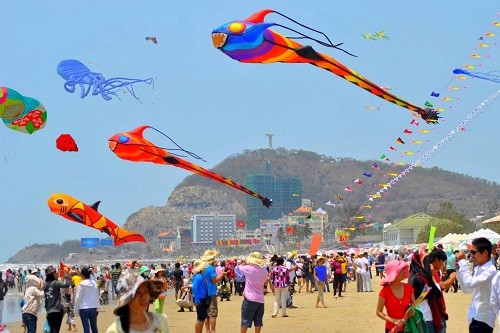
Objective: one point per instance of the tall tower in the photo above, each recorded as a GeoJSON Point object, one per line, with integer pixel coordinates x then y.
{"type": "Point", "coordinates": [270, 136]}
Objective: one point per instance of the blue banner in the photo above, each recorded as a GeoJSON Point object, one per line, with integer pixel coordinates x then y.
{"type": "Point", "coordinates": [90, 243]}
{"type": "Point", "coordinates": [106, 242]}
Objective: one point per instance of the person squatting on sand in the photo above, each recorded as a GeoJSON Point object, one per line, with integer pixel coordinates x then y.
{"type": "Point", "coordinates": [134, 296]}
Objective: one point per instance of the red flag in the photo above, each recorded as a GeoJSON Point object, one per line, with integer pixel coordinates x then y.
{"type": "Point", "coordinates": [240, 224]}
{"type": "Point", "coordinates": [63, 268]}
{"type": "Point", "coordinates": [348, 188]}
{"type": "Point", "coordinates": [392, 148]}
{"type": "Point", "coordinates": [414, 122]}
{"type": "Point", "coordinates": [358, 181]}
{"type": "Point", "coordinates": [407, 131]}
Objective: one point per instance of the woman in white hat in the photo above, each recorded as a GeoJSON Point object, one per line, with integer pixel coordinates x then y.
{"type": "Point", "coordinates": [134, 295]}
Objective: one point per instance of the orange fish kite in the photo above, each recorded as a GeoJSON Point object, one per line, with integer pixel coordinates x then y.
{"type": "Point", "coordinates": [76, 211]}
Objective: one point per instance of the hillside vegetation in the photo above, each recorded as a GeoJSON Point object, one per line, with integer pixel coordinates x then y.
{"type": "Point", "coordinates": [322, 178]}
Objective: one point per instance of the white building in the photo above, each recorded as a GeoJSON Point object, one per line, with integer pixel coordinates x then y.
{"type": "Point", "coordinates": [405, 231]}
{"type": "Point", "coordinates": [212, 227]}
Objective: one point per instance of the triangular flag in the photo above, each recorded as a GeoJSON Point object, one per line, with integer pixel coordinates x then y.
{"type": "Point", "coordinates": [407, 131]}
{"type": "Point", "coordinates": [434, 94]}
{"type": "Point", "coordinates": [358, 181]}
{"type": "Point", "coordinates": [400, 141]}
{"type": "Point", "coordinates": [375, 166]}
{"type": "Point", "coordinates": [428, 104]}
{"type": "Point", "coordinates": [392, 148]}
{"type": "Point", "coordinates": [348, 188]}
{"type": "Point", "coordinates": [367, 174]}
{"type": "Point", "coordinates": [414, 122]}
{"type": "Point", "coordinates": [383, 156]}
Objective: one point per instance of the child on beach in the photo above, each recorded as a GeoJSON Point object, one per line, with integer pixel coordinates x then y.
{"type": "Point", "coordinates": [69, 309]}
{"type": "Point", "coordinates": [395, 296]}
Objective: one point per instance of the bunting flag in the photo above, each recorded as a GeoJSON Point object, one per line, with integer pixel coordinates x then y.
{"type": "Point", "coordinates": [240, 224]}
{"type": "Point", "coordinates": [339, 196]}
{"type": "Point", "coordinates": [407, 131]}
{"type": "Point", "coordinates": [428, 104]}
{"type": "Point", "coordinates": [392, 148]}
{"type": "Point", "coordinates": [400, 141]}
{"type": "Point", "coordinates": [414, 122]}
{"type": "Point", "coordinates": [358, 181]}
{"type": "Point", "coordinates": [425, 131]}
{"type": "Point", "coordinates": [434, 94]}
{"type": "Point", "coordinates": [408, 153]}
{"type": "Point", "coordinates": [348, 188]}
{"type": "Point", "coordinates": [329, 203]}
{"type": "Point", "coordinates": [375, 166]}
{"type": "Point", "coordinates": [417, 142]}
{"type": "Point", "coordinates": [367, 174]}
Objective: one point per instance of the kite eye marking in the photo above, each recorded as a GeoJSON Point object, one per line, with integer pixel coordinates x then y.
{"type": "Point", "coordinates": [59, 201]}
{"type": "Point", "coordinates": [123, 139]}
{"type": "Point", "coordinates": [237, 27]}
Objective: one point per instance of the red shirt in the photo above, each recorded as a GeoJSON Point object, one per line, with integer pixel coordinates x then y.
{"type": "Point", "coordinates": [396, 307]}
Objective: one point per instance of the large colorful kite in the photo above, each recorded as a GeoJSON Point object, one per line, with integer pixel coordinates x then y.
{"type": "Point", "coordinates": [132, 146]}
{"type": "Point", "coordinates": [21, 113]}
{"type": "Point", "coordinates": [251, 41]}
{"type": "Point", "coordinates": [76, 211]}
{"type": "Point", "coordinates": [76, 73]}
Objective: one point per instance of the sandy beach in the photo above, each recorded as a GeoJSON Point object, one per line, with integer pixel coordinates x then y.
{"type": "Point", "coordinates": [353, 313]}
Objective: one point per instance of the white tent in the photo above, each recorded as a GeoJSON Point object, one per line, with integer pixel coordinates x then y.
{"type": "Point", "coordinates": [487, 233]}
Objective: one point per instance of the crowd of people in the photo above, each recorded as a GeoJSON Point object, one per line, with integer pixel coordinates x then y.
{"type": "Point", "coordinates": [139, 291]}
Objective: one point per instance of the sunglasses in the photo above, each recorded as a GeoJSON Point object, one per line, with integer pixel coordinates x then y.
{"type": "Point", "coordinates": [474, 252]}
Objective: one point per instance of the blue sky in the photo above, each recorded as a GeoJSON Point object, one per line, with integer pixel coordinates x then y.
{"type": "Point", "coordinates": [215, 106]}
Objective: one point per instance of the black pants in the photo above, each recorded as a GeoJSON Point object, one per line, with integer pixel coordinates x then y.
{"type": "Point", "coordinates": [479, 327]}
{"type": "Point", "coordinates": [338, 283]}
{"type": "Point", "coordinates": [239, 287]}
{"type": "Point", "coordinates": [55, 320]}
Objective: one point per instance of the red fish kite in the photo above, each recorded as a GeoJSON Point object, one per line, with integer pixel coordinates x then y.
{"type": "Point", "coordinates": [132, 146]}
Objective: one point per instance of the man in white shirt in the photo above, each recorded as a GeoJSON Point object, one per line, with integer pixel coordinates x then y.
{"type": "Point", "coordinates": [481, 315]}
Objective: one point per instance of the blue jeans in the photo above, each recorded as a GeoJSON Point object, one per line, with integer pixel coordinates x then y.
{"type": "Point", "coordinates": [30, 322]}
{"type": "Point", "coordinates": [89, 320]}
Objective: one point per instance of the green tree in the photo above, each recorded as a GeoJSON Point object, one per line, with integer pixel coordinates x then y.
{"type": "Point", "coordinates": [443, 228]}
{"type": "Point", "coordinates": [282, 236]}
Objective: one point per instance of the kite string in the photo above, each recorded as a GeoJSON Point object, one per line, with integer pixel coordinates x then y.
{"type": "Point", "coordinates": [491, 99]}
{"type": "Point", "coordinates": [175, 143]}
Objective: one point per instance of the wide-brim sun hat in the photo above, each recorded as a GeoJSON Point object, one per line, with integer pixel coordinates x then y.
{"type": "Point", "coordinates": [321, 260]}
{"type": "Point", "coordinates": [158, 269]}
{"type": "Point", "coordinates": [127, 286]}
{"type": "Point", "coordinates": [291, 255]}
{"type": "Point", "coordinates": [256, 258]}
{"type": "Point", "coordinates": [392, 269]}
{"type": "Point", "coordinates": [199, 265]}
{"type": "Point", "coordinates": [209, 255]}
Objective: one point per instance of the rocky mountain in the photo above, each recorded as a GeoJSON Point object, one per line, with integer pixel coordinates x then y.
{"type": "Point", "coordinates": [322, 178]}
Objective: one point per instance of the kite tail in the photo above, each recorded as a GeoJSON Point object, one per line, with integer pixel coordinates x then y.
{"type": "Point", "coordinates": [215, 176]}
{"type": "Point", "coordinates": [121, 236]}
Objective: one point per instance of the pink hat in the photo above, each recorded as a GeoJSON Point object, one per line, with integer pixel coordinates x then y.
{"type": "Point", "coordinates": [393, 268]}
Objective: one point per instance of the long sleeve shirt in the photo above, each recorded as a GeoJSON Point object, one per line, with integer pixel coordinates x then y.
{"type": "Point", "coordinates": [479, 283]}
{"type": "Point", "coordinates": [199, 288]}
{"type": "Point", "coordinates": [495, 295]}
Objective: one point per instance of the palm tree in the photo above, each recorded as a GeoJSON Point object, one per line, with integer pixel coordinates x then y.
{"type": "Point", "coordinates": [281, 236]}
